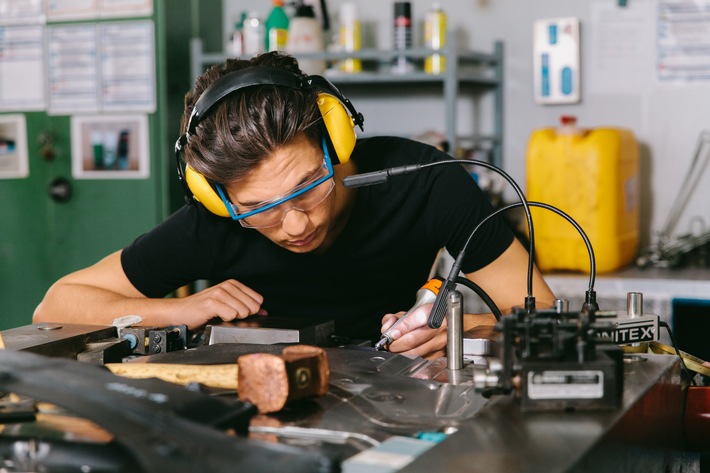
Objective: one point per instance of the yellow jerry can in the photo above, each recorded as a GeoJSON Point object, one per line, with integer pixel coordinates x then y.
{"type": "Point", "coordinates": [592, 175]}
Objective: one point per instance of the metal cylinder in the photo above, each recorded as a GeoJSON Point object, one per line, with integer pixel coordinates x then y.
{"type": "Point", "coordinates": [561, 305]}
{"type": "Point", "coordinates": [634, 304]}
{"type": "Point", "coordinates": [454, 331]}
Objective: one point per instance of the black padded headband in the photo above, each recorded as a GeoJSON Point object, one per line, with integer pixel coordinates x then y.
{"type": "Point", "coordinates": [254, 76]}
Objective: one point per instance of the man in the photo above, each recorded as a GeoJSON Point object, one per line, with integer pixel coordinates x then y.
{"type": "Point", "coordinates": [262, 147]}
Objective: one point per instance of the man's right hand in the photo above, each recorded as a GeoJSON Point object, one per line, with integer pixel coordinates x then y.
{"type": "Point", "coordinates": [228, 300]}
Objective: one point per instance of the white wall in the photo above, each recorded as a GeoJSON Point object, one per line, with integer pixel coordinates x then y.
{"type": "Point", "coordinates": [666, 117]}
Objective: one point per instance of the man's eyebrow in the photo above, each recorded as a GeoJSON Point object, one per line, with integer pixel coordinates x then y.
{"type": "Point", "coordinates": [303, 180]}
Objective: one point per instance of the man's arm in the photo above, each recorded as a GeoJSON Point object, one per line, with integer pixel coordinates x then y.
{"type": "Point", "coordinates": [504, 280]}
{"type": "Point", "coordinates": [102, 292]}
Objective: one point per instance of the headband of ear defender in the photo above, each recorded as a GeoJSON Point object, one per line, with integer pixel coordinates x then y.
{"type": "Point", "coordinates": [338, 113]}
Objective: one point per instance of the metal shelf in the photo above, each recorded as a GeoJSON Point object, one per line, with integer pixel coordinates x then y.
{"type": "Point", "coordinates": [479, 71]}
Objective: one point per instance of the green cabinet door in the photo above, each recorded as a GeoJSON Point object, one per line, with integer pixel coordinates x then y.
{"type": "Point", "coordinates": [43, 238]}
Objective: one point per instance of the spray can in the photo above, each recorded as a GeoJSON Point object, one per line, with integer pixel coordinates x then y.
{"type": "Point", "coordinates": [402, 36]}
{"type": "Point", "coordinates": [435, 38]}
{"type": "Point", "coordinates": [349, 38]}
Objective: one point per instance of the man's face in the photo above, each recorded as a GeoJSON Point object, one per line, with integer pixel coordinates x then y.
{"type": "Point", "coordinates": [286, 170]}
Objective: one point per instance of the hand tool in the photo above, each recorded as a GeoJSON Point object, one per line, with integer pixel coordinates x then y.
{"type": "Point", "coordinates": [266, 380]}
{"type": "Point", "coordinates": [269, 381]}
{"type": "Point", "coordinates": [426, 294]}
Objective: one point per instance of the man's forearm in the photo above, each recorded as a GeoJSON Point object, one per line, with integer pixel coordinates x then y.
{"type": "Point", "coordinates": [84, 304]}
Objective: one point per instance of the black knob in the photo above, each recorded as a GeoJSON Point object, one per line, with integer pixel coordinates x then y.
{"type": "Point", "coordinates": [60, 189]}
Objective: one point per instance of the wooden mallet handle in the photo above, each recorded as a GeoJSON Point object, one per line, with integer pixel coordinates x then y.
{"type": "Point", "coordinates": [267, 381]}
{"type": "Point", "coordinates": [215, 376]}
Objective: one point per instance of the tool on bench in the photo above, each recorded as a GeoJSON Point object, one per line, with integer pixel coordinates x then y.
{"type": "Point", "coordinates": [266, 380]}
{"type": "Point", "coordinates": [215, 376]}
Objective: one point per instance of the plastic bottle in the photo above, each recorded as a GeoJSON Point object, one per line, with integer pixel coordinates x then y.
{"type": "Point", "coordinates": [254, 34]}
{"type": "Point", "coordinates": [435, 38]}
{"type": "Point", "coordinates": [276, 27]}
{"type": "Point", "coordinates": [110, 142]}
{"type": "Point", "coordinates": [349, 37]}
{"type": "Point", "coordinates": [593, 175]}
{"type": "Point", "coordinates": [235, 45]}
{"type": "Point", "coordinates": [306, 36]}
{"type": "Point", "coordinates": [97, 146]}
{"type": "Point", "coordinates": [122, 149]}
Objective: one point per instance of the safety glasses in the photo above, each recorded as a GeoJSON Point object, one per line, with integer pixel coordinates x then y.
{"type": "Point", "coordinates": [304, 197]}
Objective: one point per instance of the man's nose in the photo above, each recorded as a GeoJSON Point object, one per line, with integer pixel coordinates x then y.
{"type": "Point", "coordinates": [295, 222]}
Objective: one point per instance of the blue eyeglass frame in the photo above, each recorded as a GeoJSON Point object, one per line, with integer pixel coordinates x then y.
{"type": "Point", "coordinates": [236, 217]}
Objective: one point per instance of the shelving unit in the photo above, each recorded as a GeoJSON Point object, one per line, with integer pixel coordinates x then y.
{"type": "Point", "coordinates": [479, 72]}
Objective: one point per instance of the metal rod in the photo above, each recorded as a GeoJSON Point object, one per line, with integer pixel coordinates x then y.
{"type": "Point", "coordinates": [561, 305]}
{"type": "Point", "coordinates": [454, 331]}
{"type": "Point", "coordinates": [634, 304]}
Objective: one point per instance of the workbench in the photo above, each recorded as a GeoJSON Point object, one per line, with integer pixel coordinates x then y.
{"type": "Point", "coordinates": [440, 422]}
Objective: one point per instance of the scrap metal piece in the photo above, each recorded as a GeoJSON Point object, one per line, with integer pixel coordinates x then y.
{"type": "Point", "coordinates": [270, 330]}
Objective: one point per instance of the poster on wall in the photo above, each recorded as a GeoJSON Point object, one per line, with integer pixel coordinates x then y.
{"type": "Point", "coordinates": [63, 10]}
{"type": "Point", "coordinates": [110, 147]}
{"type": "Point", "coordinates": [683, 42]}
{"type": "Point", "coordinates": [620, 60]}
{"type": "Point", "coordinates": [123, 8]}
{"type": "Point", "coordinates": [22, 68]}
{"type": "Point", "coordinates": [108, 67]}
{"type": "Point", "coordinates": [556, 61]}
{"type": "Point", "coordinates": [14, 163]}
{"type": "Point", "coordinates": [72, 69]}
{"type": "Point", "coordinates": [21, 11]}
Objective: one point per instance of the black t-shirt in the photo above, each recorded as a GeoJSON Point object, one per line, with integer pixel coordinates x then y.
{"type": "Point", "coordinates": [377, 264]}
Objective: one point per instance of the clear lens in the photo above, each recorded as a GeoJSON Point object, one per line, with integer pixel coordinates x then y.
{"type": "Point", "coordinates": [304, 202]}
{"type": "Point", "coordinates": [319, 176]}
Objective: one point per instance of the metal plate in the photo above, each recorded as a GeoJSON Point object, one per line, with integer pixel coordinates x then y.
{"type": "Point", "coordinates": [691, 362]}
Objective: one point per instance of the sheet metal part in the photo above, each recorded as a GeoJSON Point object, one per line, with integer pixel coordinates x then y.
{"type": "Point", "coordinates": [269, 330]}
{"type": "Point", "coordinates": [56, 340]}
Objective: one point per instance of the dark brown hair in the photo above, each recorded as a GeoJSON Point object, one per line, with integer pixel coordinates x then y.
{"type": "Point", "coordinates": [250, 124]}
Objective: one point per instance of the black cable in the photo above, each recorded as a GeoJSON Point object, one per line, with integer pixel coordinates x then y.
{"type": "Point", "coordinates": [439, 308]}
{"type": "Point", "coordinates": [482, 294]}
{"type": "Point", "coordinates": [684, 368]}
{"type": "Point", "coordinates": [587, 242]}
{"type": "Point", "coordinates": [522, 203]}
{"type": "Point", "coordinates": [592, 261]}
{"type": "Point", "coordinates": [438, 311]}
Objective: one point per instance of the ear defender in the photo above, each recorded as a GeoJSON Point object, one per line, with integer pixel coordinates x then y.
{"type": "Point", "coordinates": [203, 192]}
{"type": "Point", "coordinates": [338, 113]}
{"type": "Point", "coordinates": [339, 128]}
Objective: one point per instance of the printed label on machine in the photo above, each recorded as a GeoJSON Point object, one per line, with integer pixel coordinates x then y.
{"type": "Point", "coordinates": [588, 384]}
{"type": "Point", "coordinates": [633, 330]}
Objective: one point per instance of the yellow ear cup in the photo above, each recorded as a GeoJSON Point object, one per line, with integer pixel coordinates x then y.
{"type": "Point", "coordinates": [339, 124]}
{"type": "Point", "coordinates": [204, 193]}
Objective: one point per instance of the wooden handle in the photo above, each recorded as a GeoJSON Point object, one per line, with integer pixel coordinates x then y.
{"type": "Point", "coordinates": [215, 376]}
{"type": "Point", "coordinates": [268, 381]}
